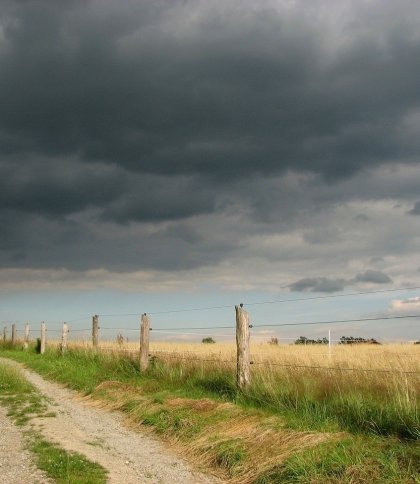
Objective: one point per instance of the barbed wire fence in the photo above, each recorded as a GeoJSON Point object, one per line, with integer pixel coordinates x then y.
{"type": "Point", "coordinates": [94, 335]}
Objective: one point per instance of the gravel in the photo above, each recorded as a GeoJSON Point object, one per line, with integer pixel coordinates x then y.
{"type": "Point", "coordinates": [128, 456]}
{"type": "Point", "coordinates": [16, 465]}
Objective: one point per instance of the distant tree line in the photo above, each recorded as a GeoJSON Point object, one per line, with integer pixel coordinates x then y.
{"type": "Point", "coordinates": [344, 340]}
{"type": "Point", "coordinates": [348, 340]}
{"type": "Point", "coordinates": [303, 340]}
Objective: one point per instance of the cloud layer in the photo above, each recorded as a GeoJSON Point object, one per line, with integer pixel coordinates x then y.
{"type": "Point", "coordinates": [191, 136]}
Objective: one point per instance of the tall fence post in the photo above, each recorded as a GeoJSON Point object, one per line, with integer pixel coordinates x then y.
{"type": "Point", "coordinates": [13, 333]}
{"type": "Point", "coordinates": [243, 364]}
{"type": "Point", "coordinates": [5, 334]}
{"type": "Point", "coordinates": [144, 342]}
{"type": "Point", "coordinates": [64, 334]}
{"type": "Point", "coordinates": [26, 339]}
{"type": "Point", "coordinates": [95, 331]}
{"type": "Point", "coordinates": [43, 338]}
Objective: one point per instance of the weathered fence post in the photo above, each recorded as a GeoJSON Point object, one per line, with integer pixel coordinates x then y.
{"type": "Point", "coordinates": [5, 334]}
{"type": "Point", "coordinates": [95, 331]}
{"type": "Point", "coordinates": [13, 334]}
{"type": "Point", "coordinates": [64, 333]}
{"type": "Point", "coordinates": [43, 338]}
{"type": "Point", "coordinates": [144, 342]}
{"type": "Point", "coordinates": [243, 375]}
{"type": "Point", "coordinates": [26, 338]}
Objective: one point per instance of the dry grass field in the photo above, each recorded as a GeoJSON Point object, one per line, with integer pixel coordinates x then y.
{"type": "Point", "coordinates": [395, 357]}
{"type": "Point", "coordinates": [388, 373]}
{"type": "Point", "coordinates": [351, 415]}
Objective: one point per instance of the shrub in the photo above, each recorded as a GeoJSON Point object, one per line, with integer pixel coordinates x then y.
{"type": "Point", "coordinates": [208, 340]}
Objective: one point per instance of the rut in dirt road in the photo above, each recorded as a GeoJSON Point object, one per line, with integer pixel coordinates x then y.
{"type": "Point", "coordinates": [128, 456]}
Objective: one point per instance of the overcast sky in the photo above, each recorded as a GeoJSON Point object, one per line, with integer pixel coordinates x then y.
{"type": "Point", "coordinates": [153, 150]}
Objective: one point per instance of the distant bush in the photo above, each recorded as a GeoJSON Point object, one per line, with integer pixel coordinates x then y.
{"type": "Point", "coordinates": [303, 340]}
{"type": "Point", "coordinates": [208, 340]}
{"type": "Point", "coordinates": [273, 341]}
{"type": "Point", "coordinates": [348, 340]}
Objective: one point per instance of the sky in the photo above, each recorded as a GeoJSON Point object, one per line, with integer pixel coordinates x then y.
{"type": "Point", "coordinates": [177, 154]}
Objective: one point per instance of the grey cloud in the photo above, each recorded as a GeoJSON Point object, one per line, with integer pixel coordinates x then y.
{"type": "Point", "coordinates": [164, 134]}
{"type": "Point", "coordinates": [416, 209]}
{"type": "Point", "coordinates": [152, 198]}
{"type": "Point", "coordinates": [57, 189]}
{"type": "Point", "coordinates": [66, 187]}
{"type": "Point", "coordinates": [324, 284]}
{"type": "Point", "coordinates": [80, 246]}
{"type": "Point", "coordinates": [376, 277]}
{"type": "Point", "coordinates": [222, 96]}
{"type": "Point", "coordinates": [318, 284]}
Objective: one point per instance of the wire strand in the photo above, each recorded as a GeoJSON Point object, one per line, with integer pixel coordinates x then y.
{"type": "Point", "coordinates": [273, 301]}
{"type": "Point", "coordinates": [337, 321]}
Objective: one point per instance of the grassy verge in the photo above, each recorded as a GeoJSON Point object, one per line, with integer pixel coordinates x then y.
{"type": "Point", "coordinates": [293, 433]}
{"type": "Point", "coordinates": [24, 403]}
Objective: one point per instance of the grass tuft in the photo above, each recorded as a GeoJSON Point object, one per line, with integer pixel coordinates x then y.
{"type": "Point", "coordinates": [65, 467]}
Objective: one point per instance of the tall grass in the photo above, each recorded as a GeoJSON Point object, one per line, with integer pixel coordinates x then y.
{"type": "Point", "coordinates": [314, 395]}
{"type": "Point", "coordinates": [363, 389]}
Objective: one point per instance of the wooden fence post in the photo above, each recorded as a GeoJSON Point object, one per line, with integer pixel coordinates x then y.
{"type": "Point", "coordinates": [43, 338]}
{"type": "Point", "coordinates": [243, 374]}
{"type": "Point", "coordinates": [13, 334]}
{"type": "Point", "coordinates": [95, 331]}
{"type": "Point", "coordinates": [26, 339]}
{"type": "Point", "coordinates": [64, 333]}
{"type": "Point", "coordinates": [144, 342]}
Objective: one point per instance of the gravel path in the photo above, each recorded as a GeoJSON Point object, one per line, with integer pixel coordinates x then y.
{"type": "Point", "coordinates": [129, 457]}
{"type": "Point", "coordinates": [16, 466]}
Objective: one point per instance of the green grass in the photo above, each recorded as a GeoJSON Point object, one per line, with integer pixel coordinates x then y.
{"type": "Point", "coordinates": [65, 467]}
{"type": "Point", "coordinates": [353, 460]}
{"type": "Point", "coordinates": [229, 454]}
{"type": "Point", "coordinates": [19, 397]}
{"type": "Point", "coordinates": [23, 403]}
{"type": "Point", "coordinates": [356, 410]}
{"type": "Point", "coordinates": [378, 436]}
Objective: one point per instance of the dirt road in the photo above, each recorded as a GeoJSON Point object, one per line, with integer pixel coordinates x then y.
{"type": "Point", "coordinates": [129, 456]}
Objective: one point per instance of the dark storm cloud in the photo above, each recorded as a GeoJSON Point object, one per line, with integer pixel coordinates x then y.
{"type": "Point", "coordinates": [65, 187]}
{"type": "Point", "coordinates": [39, 243]}
{"type": "Point", "coordinates": [153, 198]}
{"type": "Point", "coordinates": [237, 89]}
{"type": "Point", "coordinates": [156, 112]}
{"type": "Point", "coordinates": [57, 189]}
